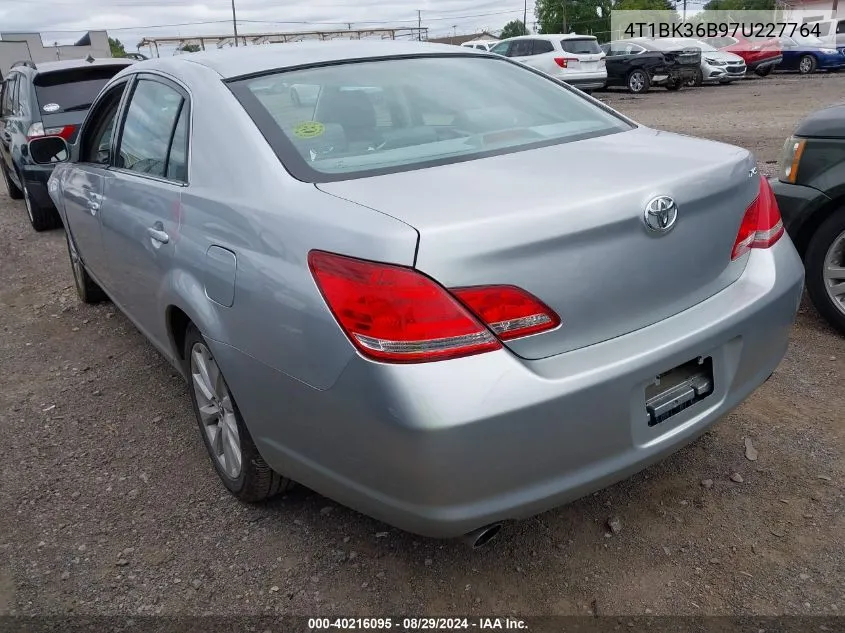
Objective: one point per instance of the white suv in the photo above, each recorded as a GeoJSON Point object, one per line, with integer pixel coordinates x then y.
{"type": "Point", "coordinates": [576, 59]}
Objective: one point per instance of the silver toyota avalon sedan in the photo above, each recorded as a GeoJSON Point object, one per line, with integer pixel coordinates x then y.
{"type": "Point", "coordinates": [448, 292]}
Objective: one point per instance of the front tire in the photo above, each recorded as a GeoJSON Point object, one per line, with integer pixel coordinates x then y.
{"type": "Point", "coordinates": [638, 82]}
{"type": "Point", "coordinates": [674, 85]}
{"type": "Point", "coordinates": [764, 72]}
{"type": "Point", "coordinates": [807, 64]}
{"type": "Point", "coordinates": [824, 263]}
{"type": "Point", "coordinates": [230, 446]}
{"type": "Point", "coordinates": [697, 80]}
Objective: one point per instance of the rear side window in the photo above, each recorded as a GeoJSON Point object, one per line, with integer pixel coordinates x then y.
{"type": "Point", "coordinates": [71, 90]}
{"type": "Point", "coordinates": [9, 94]}
{"type": "Point", "coordinates": [586, 46]}
{"type": "Point", "coordinates": [521, 48]}
{"type": "Point", "coordinates": [840, 27]}
{"type": "Point", "coordinates": [543, 46]}
{"type": "Point", "coordinates": [150, 128]}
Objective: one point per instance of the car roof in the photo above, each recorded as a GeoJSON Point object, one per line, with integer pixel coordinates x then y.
{"type": "Point", "coordinates": [236, 62]}
{"type": "Point", "coordinates": [552, 37]}
{"type": "Point", "coordinates": [46, 67]}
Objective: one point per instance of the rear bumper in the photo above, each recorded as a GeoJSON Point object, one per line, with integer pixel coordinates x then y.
{"type": "Point", "coordinates": [443, 448]}
{"type": "Point", "coordinates": [585, 80]}
{"type": "Point", "coordinates": [797, 204]}
{"type": "Point", "coordinates": [36, 177]}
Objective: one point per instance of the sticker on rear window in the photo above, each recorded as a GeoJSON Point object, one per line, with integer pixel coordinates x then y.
{"type": "Point", "coordinates": [309, 129]}
{"type": "Point", "coordinates": [52, 107]}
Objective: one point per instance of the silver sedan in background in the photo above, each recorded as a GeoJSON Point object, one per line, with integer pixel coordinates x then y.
{"type": "Point", "coordinates": [716, 66]}
{"type": "Point", "coordinates": [453, 292]}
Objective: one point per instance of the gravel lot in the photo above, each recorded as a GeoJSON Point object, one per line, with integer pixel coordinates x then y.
{"type": "Point", "coordinates": [109, 504]}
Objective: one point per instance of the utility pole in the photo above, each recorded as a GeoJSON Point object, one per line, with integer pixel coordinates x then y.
{"type": "Point", "coordinates": [234, 23]}
{"type": "Point", "coordinates": [419, 25]}
{"type": "Point", "coordinates": [563, 6]}
{"type": "Point", "coordinates": [685, 10]}
{"type": "Point", "coordinates": [525, 18]}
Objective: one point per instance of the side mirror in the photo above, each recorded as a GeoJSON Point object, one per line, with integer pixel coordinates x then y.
{"type": "Point", "coordinates": [48, 150]}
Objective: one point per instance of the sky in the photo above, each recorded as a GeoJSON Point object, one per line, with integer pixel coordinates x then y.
{"type": "Point", "coordinates": [64, 21]}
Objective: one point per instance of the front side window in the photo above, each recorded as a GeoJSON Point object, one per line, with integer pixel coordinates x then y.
{"type": "Point", "coordinates": [149, 128]}
{"type": "Point", "coordinates": [501, 49]}
{"type": "Point", "coordinates": [394, 115]}
{"type": "Point", "coordinates": [96, 136]}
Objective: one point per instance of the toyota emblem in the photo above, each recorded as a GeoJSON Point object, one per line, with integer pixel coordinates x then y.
{"type": "Point", "coordinates": [660, 215]}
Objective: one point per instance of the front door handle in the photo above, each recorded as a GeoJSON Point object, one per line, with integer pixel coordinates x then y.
{"type": "Point", "coordinates": [93, 206]}
{"type": "Point", "coordinates": [156, 232]}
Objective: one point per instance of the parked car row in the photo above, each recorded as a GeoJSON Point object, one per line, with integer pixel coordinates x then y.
{"type": "Point", "coordinates": [639, 64]}
{"type": "Point", "coordinates": [351, 313]}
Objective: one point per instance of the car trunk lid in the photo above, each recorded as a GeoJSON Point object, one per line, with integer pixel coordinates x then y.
{"type": "Point", "coordinates": [566, 223]}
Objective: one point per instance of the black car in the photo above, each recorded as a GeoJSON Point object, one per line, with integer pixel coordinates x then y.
{"type": "Point", "coordinates": [47, 99]}
{"type": "Point", "coordinates": [639, 64]}
{"type": "Point", "coordinates": [810, 191]}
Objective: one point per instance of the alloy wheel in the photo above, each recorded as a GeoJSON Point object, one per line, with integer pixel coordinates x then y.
{"type": "Point", "coordinates": [834, 272]}
{"type": "Point", "coordinates": [806, 64]}
{"type": "Point", "coordinates": [636, 82]}
{"type": "Point", "coordinates": [216, 411]}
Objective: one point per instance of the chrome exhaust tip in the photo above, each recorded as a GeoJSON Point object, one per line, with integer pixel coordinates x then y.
{"type": "Point", "coordinates": [482, 536]}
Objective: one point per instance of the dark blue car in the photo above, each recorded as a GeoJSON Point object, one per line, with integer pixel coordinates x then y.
{"type": "Point", "coordinates": [807, 55]}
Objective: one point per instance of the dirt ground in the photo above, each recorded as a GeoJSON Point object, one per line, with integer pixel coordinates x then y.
{"type": "Point", "coordinates": [109, 504]}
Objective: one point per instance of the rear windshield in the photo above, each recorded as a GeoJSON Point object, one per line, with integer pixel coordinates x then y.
{"type": "Point", "coordinates": [586, 46]}
{"type": "Point", "coordinates": [364, 118]}
{"type": "Point", "coordinates": [73, 89]}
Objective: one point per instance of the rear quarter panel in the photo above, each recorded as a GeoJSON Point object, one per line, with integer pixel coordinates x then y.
{"type": "Point", "coordinates": [240, 198]}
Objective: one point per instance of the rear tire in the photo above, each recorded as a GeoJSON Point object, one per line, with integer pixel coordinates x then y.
{"type": "Point", "coordinates": [12, 189]}
{"type": "Point", "coordinates": [638, 82]}
{"type": "Point", "coordinates": [230, 446]}
{"type": "Point", "coordinates": [42, 219]}
{"type": "Point", "coordinates": [86, 288]}
{"type": "Point", "coordinates": [673, 85]}
{"type": "Point", "coordinates": [827, 248]}
{"type": "Point", "coordinates": [807, 64]}
{"type": "Point", "coordinates": [764, 72]}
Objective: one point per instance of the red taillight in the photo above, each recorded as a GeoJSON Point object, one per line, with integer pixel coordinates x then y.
{"type": "Point", "coordinates": [396, 314]}
{"type": "Point", "coordinates": [762, 225]}
{"type": "Point", "coordinates": [564, 61]}
{"type": "Point", "coordinates": [37, 130]}
{"type": "Point", "coordinates": [510, 312]}
{"type": "Point", "coordinates": [65, 131]}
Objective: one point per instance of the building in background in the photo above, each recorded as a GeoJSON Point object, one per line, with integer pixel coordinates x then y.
{"type": "Point", "coordinates": [461, 39]}
{"type": "Point", "coordinates": [15, 47]}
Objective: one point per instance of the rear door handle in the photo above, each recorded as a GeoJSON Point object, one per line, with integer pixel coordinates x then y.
{"type": "Point", "coordinates": [156, 232]}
